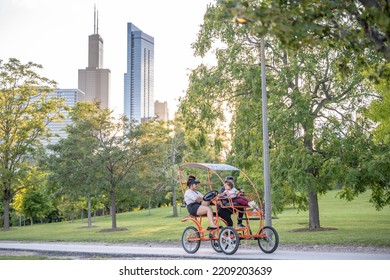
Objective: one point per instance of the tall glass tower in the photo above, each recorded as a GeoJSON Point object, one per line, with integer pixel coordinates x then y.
{"type": "Point", "coordinates": [139, 79]}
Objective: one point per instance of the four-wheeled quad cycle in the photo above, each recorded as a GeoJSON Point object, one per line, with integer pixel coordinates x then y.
{"type": "Point", "coordinates": [226, 239]}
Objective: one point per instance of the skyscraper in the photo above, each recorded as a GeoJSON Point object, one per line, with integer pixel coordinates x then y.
{"type": "Point", "coordinates": [139, 79]}
{"type": "Point", "coordinates": [161, 110]}
{"type": "Point", "coordinates": [94, 80]}
{"type": "Point", "coordinates": [57, 128]}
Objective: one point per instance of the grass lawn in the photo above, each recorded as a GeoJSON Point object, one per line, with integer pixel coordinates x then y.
{"type": "Point", "coordinates": [354, 223]}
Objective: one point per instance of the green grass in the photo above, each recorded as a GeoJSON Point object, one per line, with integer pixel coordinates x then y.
{"type": "Point", "coordinates": [356, 223]}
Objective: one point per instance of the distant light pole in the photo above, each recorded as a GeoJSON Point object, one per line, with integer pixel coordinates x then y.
{"type": "Point", "coordinates": [266, 164]}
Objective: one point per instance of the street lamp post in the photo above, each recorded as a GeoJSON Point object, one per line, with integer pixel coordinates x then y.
{"type": "Point", "coordinates": [266, 164]}
{"type": "Point", "coordinates": [267, 179]}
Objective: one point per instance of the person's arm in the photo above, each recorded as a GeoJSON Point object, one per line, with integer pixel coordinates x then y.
{"type": "Point", "coordinates": [199, 199]}
{"type": "Point", "coordinates": [222, 194]}
{"type": "Point", "coordinates": [192, 197]}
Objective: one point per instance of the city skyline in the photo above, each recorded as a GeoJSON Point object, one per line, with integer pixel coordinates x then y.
{"type": "Point", "coordinates": [54, 34]}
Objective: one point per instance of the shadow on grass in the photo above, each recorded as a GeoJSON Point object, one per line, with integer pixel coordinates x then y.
{"type": "Point", "coordinates": [88, 227]}
{"type": "Point", "coordinates": [311, 229]}
{"type": "Point", "coordinates": [113, 229]}
{"type": "Point", "coordinates": [9, 229]}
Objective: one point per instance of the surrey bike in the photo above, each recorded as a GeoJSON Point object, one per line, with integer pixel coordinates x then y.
{"type": "Point", "coordinates": [226, 238]}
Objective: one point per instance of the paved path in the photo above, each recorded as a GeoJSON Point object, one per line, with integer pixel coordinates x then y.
{"type": "Point", "coordinates": [205, 252]}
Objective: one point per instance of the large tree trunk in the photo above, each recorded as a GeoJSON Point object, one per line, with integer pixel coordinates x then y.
{"type": "Point", "coordinates": [314, 212]}
{"type": "Point", "coordinates": [113, 209]}
{"type": "Point", "coordinates": [6, 214]}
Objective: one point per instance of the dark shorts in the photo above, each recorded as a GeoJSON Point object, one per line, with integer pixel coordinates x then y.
{"type": "Point", "coordinates": [193, 208]}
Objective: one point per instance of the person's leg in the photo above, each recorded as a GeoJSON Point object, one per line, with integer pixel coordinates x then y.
{"type": "Point", "coordinates": [206, 210]}
{"type": "Point", "coordinates": [225, 214]}
{"type": "Point", "coordinates": [239, 219]}
{"type": "Point", "coordinates": [210, 216]}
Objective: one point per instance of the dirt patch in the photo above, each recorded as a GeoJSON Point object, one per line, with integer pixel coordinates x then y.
{"type": "Point", "coordinates": [311, 229]}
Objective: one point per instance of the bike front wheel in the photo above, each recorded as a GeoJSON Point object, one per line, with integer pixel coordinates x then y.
{"type": "Point", "coordinates": [190, 240]}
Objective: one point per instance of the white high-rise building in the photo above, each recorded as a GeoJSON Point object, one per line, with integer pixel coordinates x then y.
{"type": "Point", "coordinates": [57, 128]}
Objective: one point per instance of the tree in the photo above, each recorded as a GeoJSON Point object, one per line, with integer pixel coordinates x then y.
{"type": "Point", "coordinates": [72, 162]}
{"type": "Point", "coordinates": [35, 205]}
{"type": "Point", "coordinates": [152, 175]}
{"type": "Point", "coordinates": [116, 152]}
{"type": "Point", "coordinates": [175, 156]}
{"type": "Point", "coordinates": [202, 112]}
{"type": "Point", "coordinates": [379, 112]}
{"type": "Point", "coordinates": [32, 201]}
{"type": "Point", "coordinates": [359, 28]}
{"type": "Point", "coordinates": [25, 112]}
{"type": "Point", "coordinates": [308, 96]}
{"type": "Point", "coordinates": [310, 102]}
{"type": "Point", "coordinates": [354, 25]}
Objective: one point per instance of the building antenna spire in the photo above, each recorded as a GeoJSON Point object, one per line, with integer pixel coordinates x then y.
{"type": "Point", "coordinates": [97, 22]}
{"type": "Point", "coordinates": [94, 19]}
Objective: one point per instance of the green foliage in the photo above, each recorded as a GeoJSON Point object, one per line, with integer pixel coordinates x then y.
{"type": "Point", "coordinates": [72, 161]}
{"type": "Point", "coordinates": [36, 205]}
{"type": "Point", "coordinates": [317, 143]}
{"type": "Point", "coordinates": [203, 116]}
{"type": "Point", "coordinates": [100, 155]}
{"type": "Point", "coordinates": [25, 112]}
{"type": "Point", "coordinates": [118, 162]}
{"type": "Point", "coordinates": [317, 90]}
{"type": "Point", "coordinates": [32, 201]}
{"type": "Point", "coordinates": [352, 25]}
{"type": "Point", "coordinates": [153, 176]}
{"type": "Point", "coordinates": [379, 110]}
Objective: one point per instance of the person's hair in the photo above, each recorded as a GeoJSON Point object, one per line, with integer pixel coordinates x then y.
{"type": "Point", "coordinates": [230, 184]}
{"type": "Point", "coordinates": [229, 178]}
{"type": "Point", "coordinates": [192, 180]}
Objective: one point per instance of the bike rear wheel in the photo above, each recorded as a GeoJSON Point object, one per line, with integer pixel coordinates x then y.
{"type": "Point", "coordinates": [270, 242]}
{"type": "Point", "coordinates": [229, 240]}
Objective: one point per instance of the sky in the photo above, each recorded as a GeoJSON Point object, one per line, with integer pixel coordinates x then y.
{"type": "Point", "coordinates": [54, 33]}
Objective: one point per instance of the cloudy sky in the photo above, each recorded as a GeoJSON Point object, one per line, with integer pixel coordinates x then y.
{"type": "Point", "coordinates": [55, 33]}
